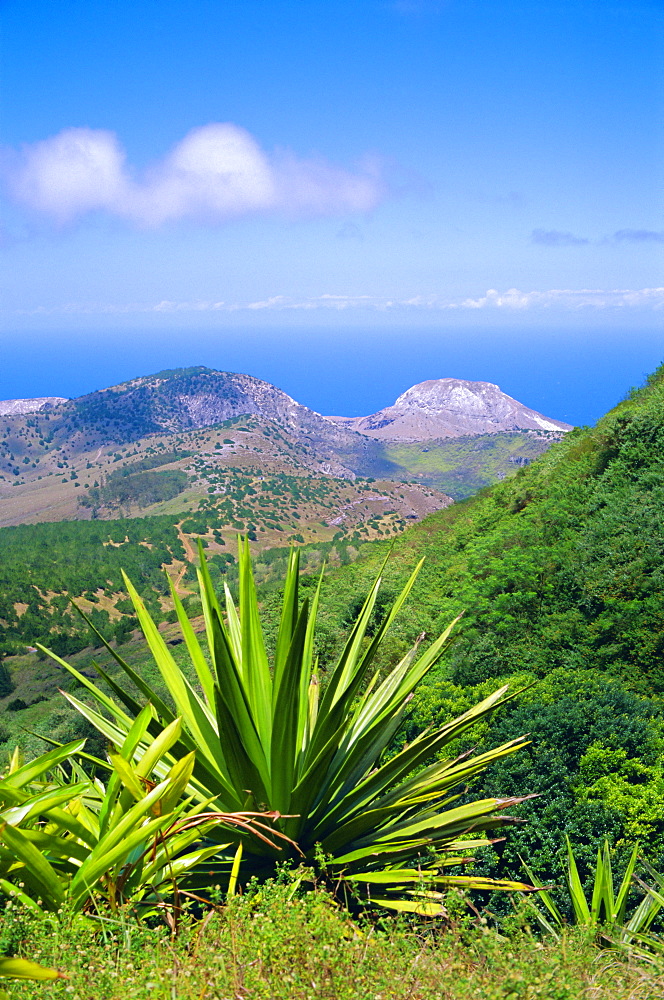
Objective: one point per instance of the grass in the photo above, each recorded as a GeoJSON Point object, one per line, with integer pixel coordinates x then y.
{"type": "Point", "coordinates": [274, 945]}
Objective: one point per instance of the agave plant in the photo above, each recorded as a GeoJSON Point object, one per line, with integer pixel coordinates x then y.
{"type": "Point", "coordinates": [78, 842]}
{"type": "Point", "coordinates": [314, 749]}
{"type": "Point", "coordinates": [607, 909]}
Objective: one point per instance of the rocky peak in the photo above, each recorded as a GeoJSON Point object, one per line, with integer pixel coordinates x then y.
{"type": "Point", "coordinates": [451, 407]}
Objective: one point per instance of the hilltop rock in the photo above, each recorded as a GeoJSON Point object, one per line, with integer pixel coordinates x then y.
{"type": "Point", "coordinates": [17, 407]}
{"type": "Point", "coordinates": [450, 407]}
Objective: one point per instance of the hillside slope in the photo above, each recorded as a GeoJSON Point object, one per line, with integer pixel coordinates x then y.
{"type": "Point", "coordinates": [560, 566]}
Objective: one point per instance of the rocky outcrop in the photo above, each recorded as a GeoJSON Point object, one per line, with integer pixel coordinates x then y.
{"type": "Point", "coordinates": [17, 407]}
{"type": "Point", "coordinates": [191, 398]}
{"type": "Point", "coordinates": [449, 407]}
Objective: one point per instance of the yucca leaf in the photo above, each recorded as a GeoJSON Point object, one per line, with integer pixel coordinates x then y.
{"type": "Point", "coordinates": [39, 805]}
{"type": "Point", "coordinates": [193, 647]}
{"type": "Point", "coordinates": [159, 747]}
{"type": "Point", "coordinates": [234, 628]}
{"type": "Point", "coordinates": [347, 664]}
{"type": "Point", "coordinates": [110, 730]}
{"type": "Point", "coordinates": [340, 799]}
{"type": "Point", "coordinates": [127, 776]}
{"type": "Point", "coordinates": [645, 912]}
{"type": "Point", "coordinates": [284, 749]}
{"type": "Point", "coordinates": [208, 596]}
{"type": "Point", "coordinates": [288, 623]}
{"type": "Point", "coordinates": [620, 904]}
{"type": "Point", "coordinates": [440, 777]}
{"type": "Point", "coordinates": [187, 702]}
{"type": "Point", "coordinates": [351, 667]}
{"type": "Point", "coordinates": [57, 848]}
{"type": "Point", "coordinates": [243, 775]}
{"type": "Point", "coordinates": [601, 895]}
{"type": "Point", "coordinates": [421, 908]}
{"type": "Point", "coordinates": [365, 854]}
{"type": "Point", "coordinates": [234, 716]}
{"type": "Point", "coordinates": [18, 777]}
{"type": "Point", "coordinates": [63, 819]}
{"type": "Point", "coordinates": [256, 671]}
{"type": "Point", "coordinates": [486, 884]}
{"type": "Point", "coordinates": [391, 876]}
{"type": "Point", "coordinates": [401, 682]}
{"type": "Point", "coordinates": [235, 871]}
{"type": "Point", "coordinates": [125, 698]}
{"type": "Point", "coordinates": [579, 902]}
{"type": "Point", "coordinates": [450, 823]}
{"type": "Point", "coordinates": [38, 873]}
{"type": "Point", "coordinates": [178, 780]}
{"type": "Point", "coordinates": [309, 683]}
{"type": "Point", "coordinates": [21, 968]}
{"type": "Point", "coordinates": [116, 797]}
{"type": "Point", "coordinates": [383, 785]}
{"type": "Point", "coordinates": [136, 678]}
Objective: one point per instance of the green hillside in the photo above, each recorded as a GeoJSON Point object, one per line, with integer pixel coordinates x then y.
{"type": "Point", "coordinates": [461, 466]}
{"type": "Point", "coordinates": [559, 575]}
{"type": "Point", "coordinates": [560, 566]}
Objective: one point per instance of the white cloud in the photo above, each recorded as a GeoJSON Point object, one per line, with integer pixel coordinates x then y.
{"type": "Point", "coordinates": [216, 172]}
{"type": "Point", "coordinates": [568, 299]}
{"type": "Point", "coordinates": [71, 173]}
{"type": "Point", "coordinates": [513, 300]}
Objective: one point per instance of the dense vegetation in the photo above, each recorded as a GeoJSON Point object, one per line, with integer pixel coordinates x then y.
{"type": "Point", "coordinates": [41, 564]}
{"type": "Point", "coordinates": [558, 571]}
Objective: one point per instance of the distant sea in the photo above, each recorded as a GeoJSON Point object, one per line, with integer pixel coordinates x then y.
{"type": "Point", "coordinates": [572, 375]}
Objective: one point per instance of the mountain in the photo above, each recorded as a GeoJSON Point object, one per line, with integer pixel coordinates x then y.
{"type": "Point", "coordinates": [186, 399]}
{"type": "Point", "coordinates": [165, 439]}
{"type": "Point", "coordinates": [17, 407]}
{"type": "Point", "coordinates": [450, 407]}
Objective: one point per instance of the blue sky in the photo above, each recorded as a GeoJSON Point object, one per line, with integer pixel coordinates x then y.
{"type": "Point", "coordinates": [453, 165]}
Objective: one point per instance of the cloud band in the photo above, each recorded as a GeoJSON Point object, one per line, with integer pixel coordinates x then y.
{"type": "Point", "coordinates": [513, 300]}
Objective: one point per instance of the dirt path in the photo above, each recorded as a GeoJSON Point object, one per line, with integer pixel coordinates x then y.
{"type": "Point", "coordinates": [178, 580]}
{"type": "Point", "coordinates": [186, 544]}
{"type": "Point", "coordinates": [354, 503]}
